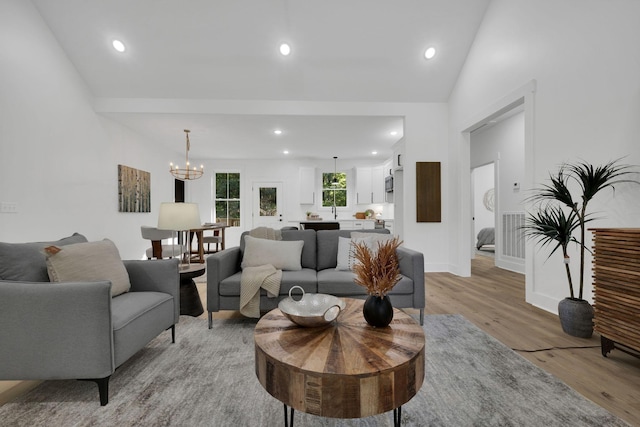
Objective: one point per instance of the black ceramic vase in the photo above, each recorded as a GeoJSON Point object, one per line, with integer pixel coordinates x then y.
{"type": "Point", "coordinates": [378, 312]}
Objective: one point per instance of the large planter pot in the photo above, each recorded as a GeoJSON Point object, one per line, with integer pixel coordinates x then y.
{"type": "Point", "coordinates": [378, 312]}
{"type": "Point", "coordinates": [576, 317]}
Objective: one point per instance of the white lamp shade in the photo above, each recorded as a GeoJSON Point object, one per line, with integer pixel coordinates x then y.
{"type": "Point", "coordinates": [178, 216]}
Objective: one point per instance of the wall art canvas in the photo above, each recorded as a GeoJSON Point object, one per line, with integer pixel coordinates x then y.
{"type": "Point", "coordinates": [134, 190]}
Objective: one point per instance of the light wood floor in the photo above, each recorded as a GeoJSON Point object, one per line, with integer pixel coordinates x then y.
{"type": "Point", "coordinates": [494, 300]}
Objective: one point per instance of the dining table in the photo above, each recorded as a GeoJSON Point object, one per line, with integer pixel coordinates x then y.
{"type": "Point", "coordinates": [199, 233]}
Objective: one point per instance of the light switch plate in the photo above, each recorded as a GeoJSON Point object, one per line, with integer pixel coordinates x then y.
{"type": "Point", "coordinates": [8, 207]}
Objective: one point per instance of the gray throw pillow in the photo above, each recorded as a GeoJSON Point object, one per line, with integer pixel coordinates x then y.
{"type": "Point", "coordinates": [25, 262]}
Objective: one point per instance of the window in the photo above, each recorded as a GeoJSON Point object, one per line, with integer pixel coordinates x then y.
{"type": "Point", "coordinates": [334, 189]}
{"type": "Point", "coordinates": [228, 198]}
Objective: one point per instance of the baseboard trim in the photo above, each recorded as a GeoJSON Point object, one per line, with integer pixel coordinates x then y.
{"type": "Point", "coordinates": [9, 390]}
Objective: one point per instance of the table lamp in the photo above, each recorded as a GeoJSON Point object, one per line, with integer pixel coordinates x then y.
{"type": "Point", "coordinates": [179, 217]}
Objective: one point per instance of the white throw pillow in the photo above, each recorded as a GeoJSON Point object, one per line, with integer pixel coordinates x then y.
{"type": "Point", "coordinates": [374, 237]}
{"type": "Point", "coordinates": [282, 254]}
{"type": "Point", "coordinates": [88, 262]}
{"type": "Point", "coordinates": [346, 259]}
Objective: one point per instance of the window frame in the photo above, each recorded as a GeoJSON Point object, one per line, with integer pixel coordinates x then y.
{"type": "Point", "coordinates": [228, 199]}
{"type": "Point", "coordinates": [347, 190]}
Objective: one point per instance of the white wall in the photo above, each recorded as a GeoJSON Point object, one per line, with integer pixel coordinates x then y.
{"type": "Point", "coordinates": [58, 159]}
{"type": "Point", "coordinates": [583, 55]}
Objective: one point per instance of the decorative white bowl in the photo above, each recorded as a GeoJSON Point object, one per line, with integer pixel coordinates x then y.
{"type": "Point", "coordinates": [311, 310]}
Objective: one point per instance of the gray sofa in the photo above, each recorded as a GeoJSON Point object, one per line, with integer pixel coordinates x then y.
{"type": "Point", "coordinates": [78, 330]}
{"type": "Point", "coordinates": [318, 274]}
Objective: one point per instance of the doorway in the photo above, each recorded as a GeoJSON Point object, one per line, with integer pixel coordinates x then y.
{"type": "Point", "coordinates": [484, 202]}
{"type": "Point", "coordinates": [267, 205]}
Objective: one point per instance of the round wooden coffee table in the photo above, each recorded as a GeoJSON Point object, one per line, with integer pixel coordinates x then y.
{"type": "Point", "coordinates": [347, 369]}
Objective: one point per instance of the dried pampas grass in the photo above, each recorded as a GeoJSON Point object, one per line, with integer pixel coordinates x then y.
{"type": "Point", "coordinates": [377, 270]}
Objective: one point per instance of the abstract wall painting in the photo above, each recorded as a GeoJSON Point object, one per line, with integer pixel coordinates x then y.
{"type": "Point", "coordinates": [134, 190]}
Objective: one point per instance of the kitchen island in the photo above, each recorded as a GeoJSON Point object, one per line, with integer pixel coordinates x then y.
{"type": "Point", "coordinates": [342, 224]}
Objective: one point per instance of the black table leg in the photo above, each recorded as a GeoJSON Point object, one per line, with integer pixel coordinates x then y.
{"type": "Point", "coordinates": [288, 421]}
{"type": "Point", "coordinates": [397, 417]}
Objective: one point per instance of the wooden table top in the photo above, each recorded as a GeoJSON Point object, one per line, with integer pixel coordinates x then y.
{"type": "Point", "coordinates": [347, 369]}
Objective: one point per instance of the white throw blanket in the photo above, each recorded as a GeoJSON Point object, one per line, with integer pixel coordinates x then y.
{"type": "Point", "coordinates": [266, 233]}
{"type": "Point", "coordinates": [266, 277]}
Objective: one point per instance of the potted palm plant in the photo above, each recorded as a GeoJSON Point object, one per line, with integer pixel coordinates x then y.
{"type": "Point", "coordinates": [560, 216]}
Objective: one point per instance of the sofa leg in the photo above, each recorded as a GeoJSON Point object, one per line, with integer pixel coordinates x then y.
{"type": "Point", "coordinates": [173, 334]}
{"type": "Point", "coordinates": [210, 320]}
{"type": "Point", "coordinates": [421, 316]}
{"type": "Point", "coordinates": [103, 388]}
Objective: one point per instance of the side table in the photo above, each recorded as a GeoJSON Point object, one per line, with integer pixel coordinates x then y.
{"type": "Point", "coordinates": [190, 303]}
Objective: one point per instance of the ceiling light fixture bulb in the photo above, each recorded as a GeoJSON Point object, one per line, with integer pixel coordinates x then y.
{"type": "Point", "coordinates": [285, 49]}
{"type": "Point", "coordinates": [286, 151]}
{"type": "Point", "coordinates": [277, 132]}
{"type": "Point", "coordinates": [430, 52]}
{"type": "Point", "coordinates": [393, 133]}
{"type": "Point", "coordinates": [374, 152]}
{"type": "Point", "coordinates": [118, 45]}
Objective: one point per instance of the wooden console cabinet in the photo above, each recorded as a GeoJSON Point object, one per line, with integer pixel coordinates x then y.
{"type": "Point", "coordinates": [616, 273]}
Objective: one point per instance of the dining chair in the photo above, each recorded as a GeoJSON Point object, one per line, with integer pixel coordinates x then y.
{"type": "Point", "coordinates": [157, 249]}
{"type": "Point", "coordinates": [215, 238]}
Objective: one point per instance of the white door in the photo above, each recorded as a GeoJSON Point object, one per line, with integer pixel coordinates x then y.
{"type": "Point", "coordinates": [267, 204]}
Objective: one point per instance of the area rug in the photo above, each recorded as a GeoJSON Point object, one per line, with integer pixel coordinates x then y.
{"type": "Point", "coordinates": [207, 379]}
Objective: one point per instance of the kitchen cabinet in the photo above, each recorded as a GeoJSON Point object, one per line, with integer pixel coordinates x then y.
{"type": "Point", "coordinates": [307, 186]}
{"type": "Point", "coordinates": [358, 224]}
{"type": "Point", "coordinates": [377, 185]}
{"type": "Point", "coordinates": [370, 185]}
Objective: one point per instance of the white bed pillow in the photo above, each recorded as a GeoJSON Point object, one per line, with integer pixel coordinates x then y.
{"type": "Point", "coordinates": [282, 254]}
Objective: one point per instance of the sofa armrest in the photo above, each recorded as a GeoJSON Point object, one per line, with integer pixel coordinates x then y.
{"type": "Point", "coordinates": [157, 276]}
{"type": "Point", "coordinates": [412, 265]}
{"type": "Point", "coordinates": [55, 330]}
{"type": "Point", "coordinates": [220, 265]}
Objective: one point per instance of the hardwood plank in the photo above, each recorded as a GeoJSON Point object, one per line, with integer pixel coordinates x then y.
{"type": "Point", "coordinates": [493, 299]}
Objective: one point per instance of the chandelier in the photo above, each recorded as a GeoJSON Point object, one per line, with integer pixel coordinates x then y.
{"type": "Point", "coordinates": [186, 173]}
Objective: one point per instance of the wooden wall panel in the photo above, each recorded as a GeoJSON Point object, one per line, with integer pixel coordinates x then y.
{"type": "Point", "coordinates": [428, 192]}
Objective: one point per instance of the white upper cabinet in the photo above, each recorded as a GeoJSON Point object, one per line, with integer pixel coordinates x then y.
{"type": "Point", "coordinates": [377, 184]}
{"type": "Point", "coordinates": [363, 186]}
{"type": "Point", "coordinates": [307, 186]}
{"type": "Point", "coordinates": [370, 185]}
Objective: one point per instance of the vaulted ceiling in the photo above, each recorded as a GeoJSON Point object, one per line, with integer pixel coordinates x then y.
{"type": "Point", "coordinates": [184, 54]}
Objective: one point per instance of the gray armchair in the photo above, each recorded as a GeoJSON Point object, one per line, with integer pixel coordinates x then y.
{"type": "Point", "coordinates": [77, 330]}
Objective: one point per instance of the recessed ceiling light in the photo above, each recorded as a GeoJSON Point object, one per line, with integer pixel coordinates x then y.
{"type": "Point", "coordinates": [374, 152]}
{"type": "Point", "coordinates": [285, 49]}
{"type": "Point", "coordinates": [393, 133]}
{"type": "Point", "coordinates": [430, 52]}
{"type": "Point", "coordinates": [286, 151]}
{"type": "Point", "coordinates": [277, 132]}
{"type": "Point", "coordinates": [118, 45]}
